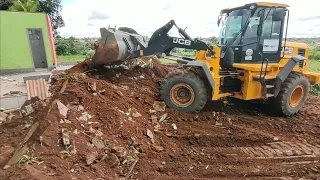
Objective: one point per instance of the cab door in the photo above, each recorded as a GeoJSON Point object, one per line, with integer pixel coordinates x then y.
{"type": "Point", "coordinates": [269, 45]}
{"type": "Point", "coordinates": [271, 37]}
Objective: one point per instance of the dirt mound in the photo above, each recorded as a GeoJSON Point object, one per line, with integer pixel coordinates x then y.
{"type": "Point", "coordinates": [78, 68]}
{"type": "Point", "coordinates": [105, 117]}
{"type": "Point", "coordinates": [110, 124]}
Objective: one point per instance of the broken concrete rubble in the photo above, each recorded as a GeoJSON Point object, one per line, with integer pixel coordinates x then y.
{"type": "Point", "coordinates": [106, 120]}
{"type": "Point", "coordinates": [85, 117]}
{"type": "Point", "coordinates": [92, 87]}
{"type": "Point", "coordinates": [65, 137]}
{"type": "Point", "coordinates": [119, 151]}
{"type": "Point", "coordinates": [150, 135]}
{"type": "Point", "coordinates": [157, 127]}
{"type": "Point", "coordinates": [63, 110]}
{"type": "Point", "coordinates": [154, 118]}
{"type": "Point", "coordinates": [157, 148]}
{"type": "Point", "coordinates": [23, 148]}
{"type": "Point", "coordinates": [3, 117]}
{"type": "Point", "coordinates": [91, 157]}
{"type": "Point", "coordinates": [27, 110]}
{"type": "Point", "coordinates": [163, 117]}
{"type": "Point", "coordinates": [159, 106]}
{"type": "Point", "coordinates": [174, 126]}
{"type": "Point", "coordinates": [136, 114]}
{"type": "Point", "coordinates": [75, 107]}
{"type": "Point", "coordinates": [112, 160]}
{"type": "Point", "coordinates": [98, 143]}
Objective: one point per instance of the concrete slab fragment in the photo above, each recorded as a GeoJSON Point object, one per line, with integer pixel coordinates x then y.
{"type": "Point", "coordinates": [12, 102]}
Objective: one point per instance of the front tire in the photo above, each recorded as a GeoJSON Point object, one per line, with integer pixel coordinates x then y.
{"type": "Point", "coordinates": [184, 91]}
{"type": "Point", "coordinates": [293, 94]}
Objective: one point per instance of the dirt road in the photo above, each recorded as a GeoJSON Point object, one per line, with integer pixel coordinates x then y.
{"type": "Point", "coordinates": [125, 137]}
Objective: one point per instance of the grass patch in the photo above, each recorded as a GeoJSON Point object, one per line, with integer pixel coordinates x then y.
{"type": "Point", "coordinates": [166, 61]}
{"type": "Point", "coordinates": [315, 89]}
{"type": "Point", "coordinates": [26, 159]}
{"type": "Point", "coordinates": [71, 58]}
{"type": "Point", "coordinates": [314, 66]}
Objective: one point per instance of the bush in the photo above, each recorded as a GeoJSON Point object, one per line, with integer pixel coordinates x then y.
{"type": "Point", "coordinates": [315, 89]}
{"type": "Point", "coordinates": [315, 53]}
{"type": "Point", "coordinates": [72, 46]}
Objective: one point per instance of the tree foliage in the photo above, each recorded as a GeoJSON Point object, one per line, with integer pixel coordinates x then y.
{"type": "Point", "coordinates": [52, 8]}
{"type": "Point", "coordinates": [72, 46]}
{"type": "Point", "coordinates": [24, 5]}
{"type": "Point", "coordinates": [5, 4]}
{"type": "Point", "coordinates": [315, 53]}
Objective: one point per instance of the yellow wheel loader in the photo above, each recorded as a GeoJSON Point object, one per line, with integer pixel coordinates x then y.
{"type": "Point", "coordinates": [253, 60]}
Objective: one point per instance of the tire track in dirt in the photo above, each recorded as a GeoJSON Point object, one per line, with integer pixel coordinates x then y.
{"type": "Point", "coordinates": [250, 147]}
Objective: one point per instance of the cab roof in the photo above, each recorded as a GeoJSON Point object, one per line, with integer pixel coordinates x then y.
{"type": "Point", "coordinates": [261, 4]}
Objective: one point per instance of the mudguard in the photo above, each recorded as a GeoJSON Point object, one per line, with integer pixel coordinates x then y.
{"type": "Point", "coordinates": [287, 69]}
{"type": "Point", "coordinates": [205, 70]}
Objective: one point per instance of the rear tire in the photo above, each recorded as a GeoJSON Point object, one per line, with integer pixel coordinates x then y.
{"type": "Point", "coordinates": [184, 91]}
{"type": "Point", "coordinates": [293, 94]}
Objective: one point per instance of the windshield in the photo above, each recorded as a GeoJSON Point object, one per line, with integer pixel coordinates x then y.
{"type": "Point", "coordinates": [232, 24]}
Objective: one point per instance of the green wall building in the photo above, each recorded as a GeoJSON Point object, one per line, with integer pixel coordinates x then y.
{"type": "Point", "coordinates": [26, 42]}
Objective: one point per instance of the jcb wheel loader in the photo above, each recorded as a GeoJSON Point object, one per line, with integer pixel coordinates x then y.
{"type": "Point", "coordinates": [253, 60]}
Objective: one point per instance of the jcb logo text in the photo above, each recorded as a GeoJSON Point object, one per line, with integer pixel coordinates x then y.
{"type": "Point", "coordinates": [182, 41]}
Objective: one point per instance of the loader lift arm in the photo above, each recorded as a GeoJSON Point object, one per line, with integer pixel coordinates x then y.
{"type": "Point", "coordinates": [161, 42]}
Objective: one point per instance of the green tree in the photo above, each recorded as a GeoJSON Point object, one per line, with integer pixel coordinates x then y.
{"type": "Point", "coordinates": [72, 46]}
{"type": "Point", "coordinates": [25, 5]}
{"type": "Point", "coordinates": [62, 46]}
{"type": "Point", "coordinates": [5, 4]}
{"type": "Point", "coordinates": [52, 8]}
{"type": "Point", "coordinates": [315, 53]}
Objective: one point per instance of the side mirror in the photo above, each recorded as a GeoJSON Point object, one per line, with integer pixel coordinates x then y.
{"type": "Point", "coordinates": [278, 15]}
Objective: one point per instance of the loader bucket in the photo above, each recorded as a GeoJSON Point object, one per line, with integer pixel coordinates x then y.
{"type": "Point", "coordinates": [115, 45]}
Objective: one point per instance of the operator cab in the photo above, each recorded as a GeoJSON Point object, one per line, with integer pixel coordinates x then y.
{"type": "Point", "coordinates": [252, 33]}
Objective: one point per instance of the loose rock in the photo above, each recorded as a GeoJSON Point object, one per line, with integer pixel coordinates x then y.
{"type": "Point", "coordinates": [218, 123]}
{"type": "Point", "coordinates": [157, 148]}
{"type": "Point", "coordinates": [161, 168]}
{"type": "Point", "coordinates": [91, 157]}
{"type": "Point", "coordinates": [65, 137]}
{"type": "Point", "coordinates": [121, 152]}
{"type": "Point", "coordinates": [150, 135]}
{"type": "Point", "coordinates": [154, 118]}
{"type": "Point", "coordinates": [63, 110]}
{"type": "Point", "coordinates": [98, 143]}
{"type": "Point", "coordinates": [136, 114]}
{"type": "Point", "coordinates": [112, 160]}
{"type": "Point", "coordinates": [159, 106]}
{"type": "Point", "coordinates": [3, 116]}
{"type": "Point", "coordinates": [27, 110]}
{"type": "Point", "coordinates": [163, 117]}
{"type": "Point", "coordinates": [85, 117]}
{"type": "Point", "coordinates": [174, 126]}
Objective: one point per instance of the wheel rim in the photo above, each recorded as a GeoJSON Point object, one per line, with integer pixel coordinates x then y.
{"type": "Point", "coordinates": [182, 95]}
{"type": "Point", "coordinates": [296, 96]}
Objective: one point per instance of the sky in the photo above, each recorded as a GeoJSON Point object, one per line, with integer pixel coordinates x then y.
{"type": "Point", "coordinates": [84, 18]}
